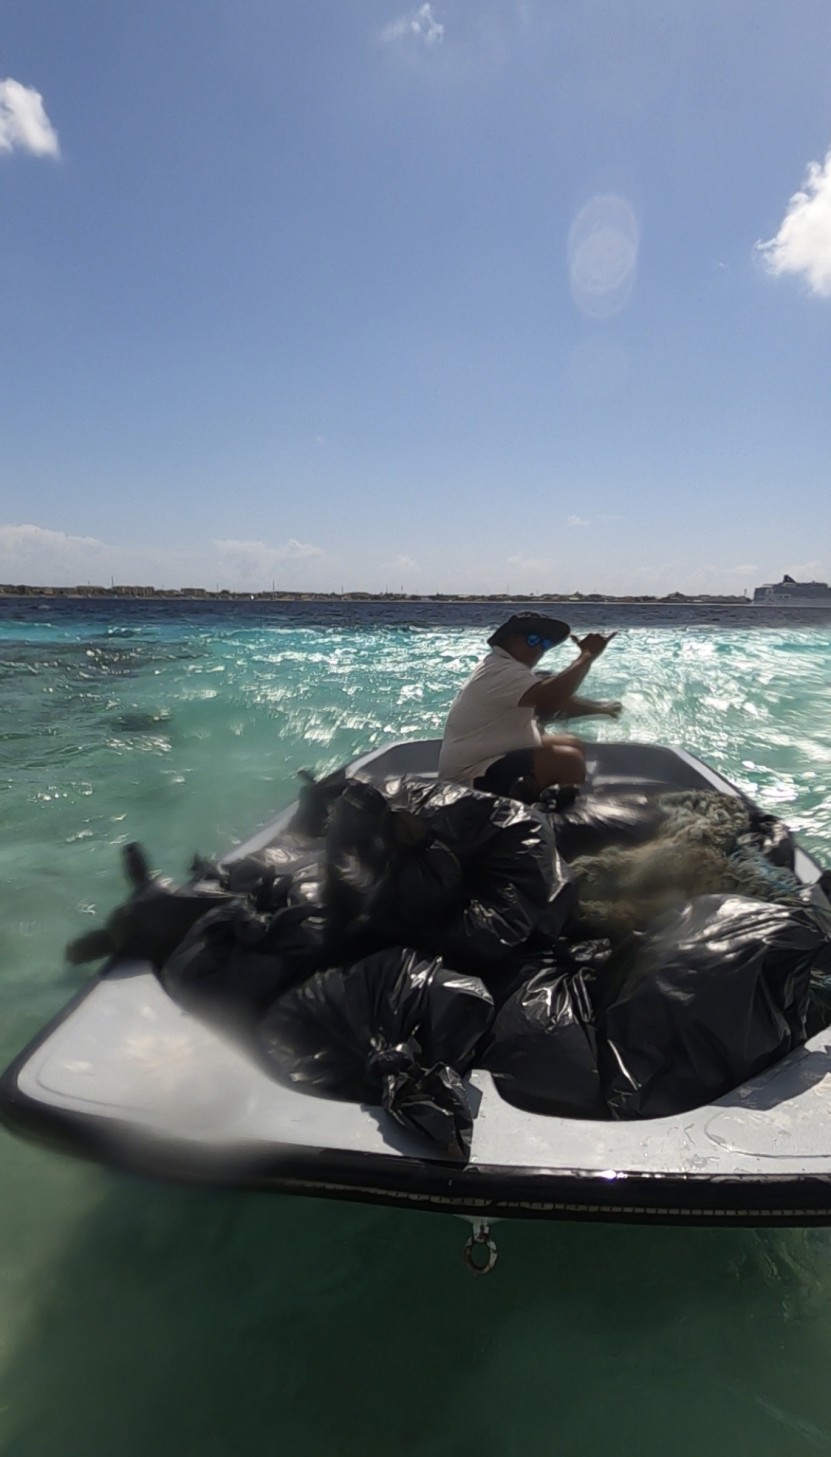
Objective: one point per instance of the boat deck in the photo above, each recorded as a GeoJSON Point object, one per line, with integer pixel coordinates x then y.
{"type": "Point", "coordinates": [126, 1076]}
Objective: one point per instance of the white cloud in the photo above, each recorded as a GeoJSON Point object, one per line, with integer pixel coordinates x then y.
{"type": "Point", "coordinates": [530, 563]}
{"type": "Point", "coordinates": [420, 25]}
{"type": "Point", "coordinates": [31, 553]}
{"type": "Point", "coordinates": [604, 519]}
{"type": "Point", "coordinates": [41, 557]}
{"type": "Point", "coordinates": [405, 563]}
{"type": "Point", "coordinates": [24, 125]}
{"type": "Point", "coordinates": [803, 243]}
{"type": "Point", "coordinates": [660, 578]}
{"type": "Point", "coordinates": [291, 551]}
{"type": "Point", "coordinates": [13, 538]}
{"type": "Point", "coordinates": [802, 570]}
{"type": "Point", "coordinates": [250, 562]}
{"type": "Point", "coordinates": [705, 578]}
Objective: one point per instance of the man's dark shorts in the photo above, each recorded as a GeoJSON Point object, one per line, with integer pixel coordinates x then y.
{"type": "Point", "coordinates": [501, 776]}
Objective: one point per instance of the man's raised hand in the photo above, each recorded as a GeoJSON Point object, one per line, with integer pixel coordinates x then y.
{"type": "Point", "coordinates": [594, 643]}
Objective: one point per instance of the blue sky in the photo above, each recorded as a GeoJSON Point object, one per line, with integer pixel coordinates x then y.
{"type": "Point", "coordinates": [464, 296]}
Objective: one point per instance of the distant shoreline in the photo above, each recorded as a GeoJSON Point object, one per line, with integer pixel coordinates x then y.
{"type": "Point", "coordinates": [203, 594]}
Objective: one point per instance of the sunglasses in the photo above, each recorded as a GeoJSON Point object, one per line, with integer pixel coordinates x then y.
{"type": "Point", "coordinates": [535, 641]}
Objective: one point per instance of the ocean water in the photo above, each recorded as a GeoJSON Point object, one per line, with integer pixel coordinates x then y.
{"type": "Point", "coordinates": [137, 1318]}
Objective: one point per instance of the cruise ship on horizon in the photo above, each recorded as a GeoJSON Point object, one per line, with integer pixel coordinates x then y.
{"type": "Point", "coordinates": [800, 594]}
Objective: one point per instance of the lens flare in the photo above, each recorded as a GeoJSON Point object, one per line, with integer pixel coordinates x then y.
{"type": "Point", "coordinates": [603, 256]}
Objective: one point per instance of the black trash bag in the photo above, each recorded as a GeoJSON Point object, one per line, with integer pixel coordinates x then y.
{"type": "Point", "coordinates": [314, 804]}
{"type": "Point", "coordinates": [818, 894]}
{"type": "Point", "coordinates": [235, 962]}
{"type": "Point", "coordinates": [289, 871]}
{"type": "Point", "coordinates": [386, 865]}
{"type": "Point", "coordinates": [504, 978]}
{"type": "Point", "coordinates": [150, 925]}
{"type": "Point", "coordinates": [467, 875]}
{"type": "Point", "coordinates": [514, 880]}
{"type": "Point", "coordinates": [542, 1051]}
{"type": "Point", "coordinates": [593, 954]}
{"type": "Point", "coordinates": [355, 857]}
{"type": "Point", "coordinates": [396, 1029]}
{"type": "Point", "coordinates": [431, 1100]}
{"type": "Point", "coordinates": [709, 996]}
{"type": "Point", "coordinates": [307, 886]}
{"type": "Point", "coordinates": [268, 876]}
{"type": "Point", "coordinates": [424, 877]}
{"type": "Point", "coordinates": [596, 819]}
{"type": "Point", "coordinates": [819, 1004]}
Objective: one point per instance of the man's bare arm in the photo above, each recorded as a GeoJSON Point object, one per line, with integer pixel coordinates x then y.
{"type": "Point", "coordinates": [551, 695]}
{"type": "Point", "coordinates": [590, 708]}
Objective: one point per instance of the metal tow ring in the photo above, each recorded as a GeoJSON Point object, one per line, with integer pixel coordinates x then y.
{"type": "Point", "coordinates": [480, 1252]}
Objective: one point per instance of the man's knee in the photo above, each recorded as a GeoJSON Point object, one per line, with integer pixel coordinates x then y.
{"type": "Point", "coordinates": [572, 769]}
{"type": "Point", "coordinates": [563, 764]}
{"type": "Point", "coordinates": [563, 741]}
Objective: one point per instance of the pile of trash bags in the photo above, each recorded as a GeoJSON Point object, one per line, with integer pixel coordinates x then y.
{"type": "Point", "coordinates": [675, 1016]}
{"type": "Point", "coordinates": [602, 955]}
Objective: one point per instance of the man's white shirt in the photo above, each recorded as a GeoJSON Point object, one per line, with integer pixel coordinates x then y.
{"type": "Point", "coordinates": [486, 721]}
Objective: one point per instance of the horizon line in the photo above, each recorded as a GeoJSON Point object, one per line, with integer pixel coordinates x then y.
{"type": "Point", "coordinates": [297, 595]}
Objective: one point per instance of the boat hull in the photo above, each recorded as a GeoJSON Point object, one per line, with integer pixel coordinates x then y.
{"type": "Point", "coordinates": [126, 1077]}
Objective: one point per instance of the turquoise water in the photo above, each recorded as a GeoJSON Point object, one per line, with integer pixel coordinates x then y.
{"type": "Point", "coordinates": [136, 1318]}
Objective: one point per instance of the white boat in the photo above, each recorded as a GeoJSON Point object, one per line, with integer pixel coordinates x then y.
{"type": "Point", "coordinates": [789, 593]}
{"type": "Point", "coordinates": [125, 1076]}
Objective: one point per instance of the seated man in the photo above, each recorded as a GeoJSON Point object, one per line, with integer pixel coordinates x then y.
{"type": "Point", "coordinates": [492, 738]}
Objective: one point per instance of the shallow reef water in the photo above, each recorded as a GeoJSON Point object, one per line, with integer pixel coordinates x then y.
{"type": "Point", "coordinates": [137, 1317]}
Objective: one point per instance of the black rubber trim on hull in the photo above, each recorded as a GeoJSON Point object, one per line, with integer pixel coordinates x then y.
{"type": "Point", "coordinates": [478, 1191]}
{"type": "Point", "coordinates": [570, 1210]}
